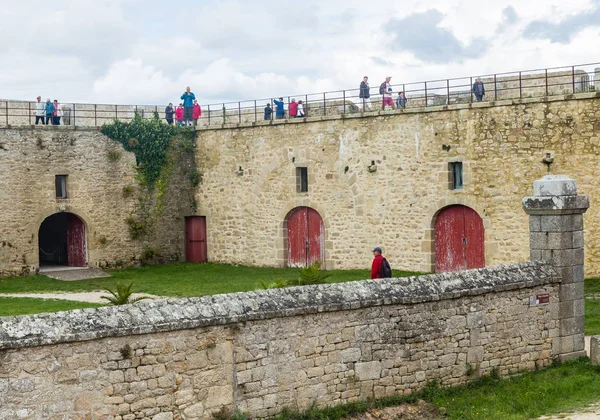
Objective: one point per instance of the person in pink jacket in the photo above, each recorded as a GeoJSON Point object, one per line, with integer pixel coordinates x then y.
{"type": "Point", "coordinates": [196, 112]}
{"type": "Point", "coordinates": [293, 108]}
{"type": "Point", "coordinates": [179, 114]}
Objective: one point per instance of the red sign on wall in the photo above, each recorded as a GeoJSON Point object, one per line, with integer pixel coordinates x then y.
{"type": "Point", "coordinates": [542, 298]}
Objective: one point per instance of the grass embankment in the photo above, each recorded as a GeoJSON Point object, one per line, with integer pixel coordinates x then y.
{"type": "Point", "coordinates": [555, 390]}
{"type": "Point", "coordinates": [175, 280]}
{"type": "Point", "coordinates": [592, 307]}
{"type": "Point", "coordinates": [25, 306]}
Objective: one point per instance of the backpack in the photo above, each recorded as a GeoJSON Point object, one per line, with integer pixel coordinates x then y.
{"type": "Point", "coordinates": [382, 88]}
{"type": "Point", "coordinates": [386, 270]}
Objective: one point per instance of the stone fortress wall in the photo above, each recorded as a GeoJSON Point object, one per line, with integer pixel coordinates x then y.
{"type": "Point", "coordinates": [261, 351]}
{"type": "Point", "coordinates": [29, 161]}
{"type": "Point", "coordinates": [500, 144]}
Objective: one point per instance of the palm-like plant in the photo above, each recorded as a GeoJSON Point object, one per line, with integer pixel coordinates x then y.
{"type": "Point", "coordinates": [123, 295]}
{"type": "Point", "coordinates": [311, 275]}
{"type": "Point", "coordinates": [277, 284]}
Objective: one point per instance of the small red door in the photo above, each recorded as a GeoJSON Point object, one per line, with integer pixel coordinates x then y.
{"type": "Point", "coordinates": [76, 251]}
{"type": "Point", "coordinates": [305, 238]}
{"type": "Point", "coordinates": [459, 239]}
{"type": "Point", "coordinates": [195, 239]}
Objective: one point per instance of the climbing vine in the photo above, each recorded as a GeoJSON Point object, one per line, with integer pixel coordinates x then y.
{"type": "Point", "coordinates": [157, 147]}
{"type": "Point", "coordinates": [149, 140]}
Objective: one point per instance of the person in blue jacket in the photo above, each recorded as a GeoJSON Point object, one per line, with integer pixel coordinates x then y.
{"type": "Point", "coordinates": [478, 89]}
{"type": "Point", "coordinates": [49, 110]}
{"type": "Point", "coordinates": [188, 106]}
{"type": "Point", "coordinates": [280, 110]}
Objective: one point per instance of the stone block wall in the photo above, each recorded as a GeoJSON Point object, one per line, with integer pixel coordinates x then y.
{"type": "Point", "coordinates": [261, 351]}
{"type": "Point", "coordinates": [501, 146]}
{"type": "Point", "coordinates": [29, 160]}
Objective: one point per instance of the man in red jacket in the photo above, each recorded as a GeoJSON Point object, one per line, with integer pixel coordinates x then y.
{"type": "Point", "coordinates": [377, 263]}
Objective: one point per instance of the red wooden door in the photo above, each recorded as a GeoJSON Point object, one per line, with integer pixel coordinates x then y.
{"type": "Point", "coordinates": [305, 238]}
{"type": "Point", "coordinates": [76, 250]}
{"type": "Point", "coordinates": [459, 239]}
{"type": "Point", "coordinates": [195, 239]}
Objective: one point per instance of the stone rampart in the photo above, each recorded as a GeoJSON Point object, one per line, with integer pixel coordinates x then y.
{"type": "Point", "coordinates": [261, 351]}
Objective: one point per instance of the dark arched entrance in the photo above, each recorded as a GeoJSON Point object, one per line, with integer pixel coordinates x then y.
{"type": "Point", "coordinates": [305, 238]}
{"type": "Point", "coordinates": [459, 239]}
{"type": "Point", "coordinates": [61, 241]}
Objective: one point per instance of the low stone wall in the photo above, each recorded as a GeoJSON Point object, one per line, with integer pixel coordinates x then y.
{"type": "Point", "coordinates": [261, 351]}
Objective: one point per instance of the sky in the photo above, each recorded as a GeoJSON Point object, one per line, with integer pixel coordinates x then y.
{"type": "Point", "coordinates": [147, 51]}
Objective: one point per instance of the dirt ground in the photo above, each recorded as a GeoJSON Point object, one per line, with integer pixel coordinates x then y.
{"type": "Point", "coordinates": [419, 411]}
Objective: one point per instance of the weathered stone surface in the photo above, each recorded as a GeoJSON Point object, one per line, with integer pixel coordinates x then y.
{"type": "Point", "coordinates": [153, 316]}
{"type": "Point", "coordinates": [595, 349]}
{"type": "Point", "coordinates": [260, 351]}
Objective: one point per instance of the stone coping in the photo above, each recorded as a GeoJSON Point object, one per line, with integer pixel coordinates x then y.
{"type": "Point", "coordinates": [176, 314]}
{"type": "Point", "coordinates": [415, 110]}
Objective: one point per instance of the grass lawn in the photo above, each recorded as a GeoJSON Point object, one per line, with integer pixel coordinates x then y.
{"type": "Point", "coordinates": [24, 306]}
{"type": "Point", "coordinates": [592, 306]}
{"type": "Point", "coordinates": [569, 387]}
{"type": "Point", "coordinates": [176, 280]}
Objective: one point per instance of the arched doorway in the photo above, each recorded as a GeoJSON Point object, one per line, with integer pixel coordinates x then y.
{"type": "Point", "coordinates": [61, 241]}
{"type": "Point", "coordinates": [459, 239]}
{"type": "Point", "coordinates": [305, 238]}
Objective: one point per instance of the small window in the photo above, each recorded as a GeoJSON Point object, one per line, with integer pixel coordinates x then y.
{"type": "Point", "coordinates": [60, 181]}
{"type": "Point", "coordinates": [456, 175]}
{"type": "Point", "coordinates": [302, 180]}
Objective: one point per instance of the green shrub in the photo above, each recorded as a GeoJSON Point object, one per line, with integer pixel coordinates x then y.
{"type": "Point", "coordinates": [311, 275]}
{"type": "Point", "coordinates": [149, 254]}
{"type": "Point", "coordinates": [114, 155]}
{"type": "Point", "coordinates": [277, 284]}
{"type": "Point", "coordinates": [137, 228]}
{"type": "Point", "coordinates": [122, 295]}
{"type": "Point", "coordinates": [128, 190]}
{"type": "Point", "coordinates": [195, 178]}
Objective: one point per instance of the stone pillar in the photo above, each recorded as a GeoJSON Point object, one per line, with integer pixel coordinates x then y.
{"type": "Point", "coordinates": [556, 236]}
{"type": "Point", "coordinates": [595, 349]}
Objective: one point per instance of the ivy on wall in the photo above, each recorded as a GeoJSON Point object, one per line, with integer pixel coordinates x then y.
{"type": "Point", "coordinates": [149, 140]}
{"type": "Point", "coordinates": [157, 147]}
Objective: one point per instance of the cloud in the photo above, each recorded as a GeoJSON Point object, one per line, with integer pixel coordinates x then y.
{"type": "Point", "coordinates": [509, 16]}
{"type": "Point", "coordinates": [422, 35]}
{"type": "Point", "coordinates": [563, 31]}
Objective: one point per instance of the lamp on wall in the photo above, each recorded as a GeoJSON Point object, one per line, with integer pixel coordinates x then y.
{"type": "Point", "coordinates": [548, 160]}
{"type": "Point", "coordinates": [372, 167]}
{"type": "Point", "coordinates": [239, 171]}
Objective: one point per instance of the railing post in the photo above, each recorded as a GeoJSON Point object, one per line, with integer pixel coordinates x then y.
{"type": "Point", "coordinates": [447, 91]}
{"type": "Point", "coordinates": [495, 89]}
{"type": "Point", "coordinates": [305, 105]}
{"type": "Point", "coordinates": [573, 77]}
{"type": "Point", "coordinates": [324, 105]}
{"type": "Point", "coordinates": [344, 98]}
{"type": "Point", "coordinates": [136, 111]}
{"type": "Point", "coordinates": [116, 112]}
{"type": "Point", "coordinates": [208, 108]}
{"type": "Point", "coordinates": [74, 106]}
{"type": "Point", "coordinates": [520, 86]}
{"type": "Point", "coordinates": [95, 115]}
{"type": "Point", "coordinates": [29, 111]}
{"type": "Point", "coordinates": [546, 78]}
{"type": "Point", "coordinates": [471, 87]}
{"type": "Point", "coordinates": [239, 112]}
{"type": "Point", "coordinates": [6, 111]}
{"type": "Point", "coordinates": [288, 112]}
{"type": "Point", "coordinates": [425, 94]}
{"type": "Point", "coordinates": [255, 112]}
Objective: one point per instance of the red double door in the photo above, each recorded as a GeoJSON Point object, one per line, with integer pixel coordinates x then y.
{"type": "Point", "coordinates": [459, 239]}
{"type": "Point", "coordinates": [195, 239]}
{"type": "Point", "coordinates": [305, 238]}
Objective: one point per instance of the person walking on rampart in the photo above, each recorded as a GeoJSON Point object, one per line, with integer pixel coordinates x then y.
{"type": "Point", "coordinates": [169, 111]}
{"type": "Point", "coordinates": [478, 89]}
{"type": "Point", "coordinates": [179, 114]}
{"type": "Point", "coordinates": [386, 90]}
{"type": "Point", "coordinates": [49, 111]}
{"type": "Point", "coordinates": [280, 110]}
{"type": "Point", "coordinates": [401, 101]}
{"type": "Point", "coordinates": [40, 111]}
{"type": "Point", "coordinates": [188, 105]}
{"type": "Point", "coordinates": [293, 109]}
{"type": "Point", "coordinates": [301, 112]}
{"type": "Point", "coordinates": [268, 112]}
{"type": "Point", "coordinates": [197, 112]}
{"type": "Point", "coordinates": [380, 268]}
{"type": "Point", "coordinates": [364, 94]}
{"type": "Point", "coordinates": [57, 113]}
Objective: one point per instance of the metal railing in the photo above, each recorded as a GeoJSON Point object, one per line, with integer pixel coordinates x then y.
{"type": "Point", "coordinates": [442, 92]}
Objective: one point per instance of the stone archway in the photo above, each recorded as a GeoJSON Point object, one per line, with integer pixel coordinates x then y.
{"type": "Point", "coordinates": [62, 241]}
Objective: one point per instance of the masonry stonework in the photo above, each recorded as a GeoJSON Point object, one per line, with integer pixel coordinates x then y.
{"type": "Point", "coordinates": [261, 351]}
{"type": "Point", "coordinates": [501, 145]}
{"type": "Point", "coordinates": [30, 159]}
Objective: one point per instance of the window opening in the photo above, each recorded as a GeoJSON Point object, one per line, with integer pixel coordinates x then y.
{"type": "Point", "coordinates": [456, 173]}
{"type": "Point", "coordinates": [302, 180]}
{"type": "Point", "coordinates": [60, 181]}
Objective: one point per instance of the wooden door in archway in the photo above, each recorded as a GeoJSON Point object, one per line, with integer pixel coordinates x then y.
{"type": "Point", "coordinates": [306, 244]}
{"type": "Point", "coordinates": [459, 239]}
